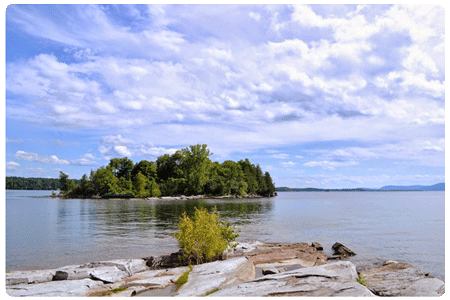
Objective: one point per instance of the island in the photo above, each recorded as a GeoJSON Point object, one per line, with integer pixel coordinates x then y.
{"type": "Point", "coordinates": [188, 172]}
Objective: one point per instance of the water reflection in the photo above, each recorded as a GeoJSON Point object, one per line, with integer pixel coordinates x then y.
{"type": "Point", "coordinates": [124, 217]}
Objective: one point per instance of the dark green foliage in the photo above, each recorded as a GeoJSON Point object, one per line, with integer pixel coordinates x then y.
{"type": "Point", "coordinates": [189, 171]}
{"type": "Point", "coordinates": [121, 167]}
{"type": "Point", "coordinates": [21, 183]}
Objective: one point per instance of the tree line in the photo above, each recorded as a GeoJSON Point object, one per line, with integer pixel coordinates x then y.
{"type": "Point", "coordinates": [188, 171]}
{"type": "Point", "coordinates": [32, 183]}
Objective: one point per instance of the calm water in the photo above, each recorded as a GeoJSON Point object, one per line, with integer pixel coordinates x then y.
{"type": "Point", "coordinates": [47, 233]}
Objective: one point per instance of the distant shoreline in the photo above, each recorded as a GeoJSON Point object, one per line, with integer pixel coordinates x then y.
{"type": "Point", "coordinates": [387, 188]}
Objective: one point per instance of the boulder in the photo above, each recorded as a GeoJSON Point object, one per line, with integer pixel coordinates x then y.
{"type": "Point", "coordinates": [336, 279]}
{"type": "Point", "coordinates": [401, 279]}
{"type": "Point", "coordinates": [219, 274]}
{"type": "Point", "coordinates": [66, 288]}
{"type": "Point", "coordinates": [340, 249]}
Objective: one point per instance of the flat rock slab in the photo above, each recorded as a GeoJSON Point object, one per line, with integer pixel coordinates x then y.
{"type": "Point", "coordinates": [39, 276]}
{"type": "Point", "coordinates": [155, 279]}
{"type": "Point", "coordinates": [107, 271]}
{"type": "Point", "coordinates": [219, 274]}
{"type": "Point", "coordinates": [285, 254]}
{"type": "Point", "coordinates": [401, 279]}
{"type": "Point", "coordinates": [336, 279]}
{"type": "Point", "coordinates": [67, 288]}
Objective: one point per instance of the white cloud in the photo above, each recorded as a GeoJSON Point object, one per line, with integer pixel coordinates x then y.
{"type": "Point", "coordinates": [122, 150]}
{"type": "Point", "coordinates": [29, 156]}
{"type": "Point", "coordinates": [12, 165]}
{"type": "Point", "coordinates": [287, 164]}
{"type": "Point", "coordinates": [329, 165]}
{"type": "Point", "coordinates": [255, 16]}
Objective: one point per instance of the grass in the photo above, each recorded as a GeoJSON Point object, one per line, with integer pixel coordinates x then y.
{"type": "Point", "coordinates": [213, 291]}
{"type": "Point", "coordinates": [183, 278]}
{"type": "Point", "coordinates": [361, 280]}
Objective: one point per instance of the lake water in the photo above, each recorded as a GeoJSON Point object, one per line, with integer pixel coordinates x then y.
{"type": "Point", "coordinates": [44, 232]}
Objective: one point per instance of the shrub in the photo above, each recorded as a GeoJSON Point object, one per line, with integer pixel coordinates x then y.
{"type": "Point", "coordinates": [204, 237]}
{"type": "Point", "coordinates": [361, 280]}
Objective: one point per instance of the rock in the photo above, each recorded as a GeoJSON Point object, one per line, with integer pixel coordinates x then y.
{"type": "Point", "coordinates": [77, 288]}
{"type": "Point", "coordinates": [287, 254]}
{"type": "Point", "coordinates": [131, 266]}
{"type": "Point", "coordinates": [270, 269]}
{"type": "Point", "coordinates": [155, 278]}
{"type": "Point", "coordinates": [390, 262]}
{"type": "Point", "coordinates": [18, 277]}
{"type": "Point", "coordinates": [426, 287]}
{"type": "Point", "coordinates": [219, 274]}
{"type": "Point", "coordinates": [401, 279]}
{"type": "Point", "coordinates": [108, 274]}
{"type": "Point", "coordinates": [340, 249]}
{"type": "Point", "coordinates": [173, 260]}
{"type": "Point", "coordinates": [317, 246]}
{"type": "Point", "coordinates": [336, 279]}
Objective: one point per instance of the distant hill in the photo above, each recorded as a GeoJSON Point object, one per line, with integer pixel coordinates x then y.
{"type": "Point", "coordinates": [435, 187]}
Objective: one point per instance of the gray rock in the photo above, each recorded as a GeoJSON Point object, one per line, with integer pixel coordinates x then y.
{"type": "Point", "coordinates": [18, 277]}
{"type": "Point", "coordinates": [269, 269]}
{"type": "Point", "coordinates": [155, 278]}
{"type": "Point", "coordinates": [75, 288]}
{"type": "Point", "coordinates": [401, 279]}
{"type": "Point", "coordinates": [219, 274]}
{"type": "Point", "coordinates": [425, 287]}
{"type": "Point", "coordinates": [108, 274]}
{"type": "Point", "coordinates": [131, 266]}
{"type": "Point", "coordinates": [336, 279]}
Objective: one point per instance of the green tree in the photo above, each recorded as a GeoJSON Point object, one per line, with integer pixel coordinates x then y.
{"type": "Point", "coordinates": [104, 181]}
{"type": "Point", "coordinates": [121, 167]}
{"type": "Point", "coordinates": [65, 183]}
{"type": "Point", "coordinates": [169, 166]}
{"type": "Point", "coordinates": [153, 188]}
{"type": "Point", "coordinates": [140, 183]}
{"type": "Point", "coordinates": [270, 186]}
{"type": "Point", "coordinates": [125, 186]}
{"type": "Point", "coordinates": [249, 176]}
{"type": "Point", "coordinates": [147, 168]}
{"type": "Point", "coordinates": [262, 188]}
{"type": "Point", "coordinates": [232, 178]}
{"type": "Point", "coordinates": [195, 165]}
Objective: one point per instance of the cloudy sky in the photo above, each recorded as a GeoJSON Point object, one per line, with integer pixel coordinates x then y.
{"type": "Point", "coordinates": [326, 96]}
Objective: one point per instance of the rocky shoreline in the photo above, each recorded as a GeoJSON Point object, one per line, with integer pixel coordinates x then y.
{"type": "Point", "coordinates": [252, 269]}
{"type": "Point", "coordinates": [181, 197]}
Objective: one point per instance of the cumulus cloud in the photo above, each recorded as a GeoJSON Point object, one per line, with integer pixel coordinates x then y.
{"type": "Point", "coordinates": [29, 156]}
{"type": "Point", "coordinates": [255, 76]}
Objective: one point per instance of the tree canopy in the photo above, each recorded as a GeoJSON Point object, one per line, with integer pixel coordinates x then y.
{"type": "Point", "coordinates": [188, 171]}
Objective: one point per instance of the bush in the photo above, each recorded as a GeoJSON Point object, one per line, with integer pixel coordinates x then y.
{"type": "Point", "coordinates": [204, 237]}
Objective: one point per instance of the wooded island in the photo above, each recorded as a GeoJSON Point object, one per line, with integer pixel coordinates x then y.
{"type": "Point", "coordinates": [188, 171]}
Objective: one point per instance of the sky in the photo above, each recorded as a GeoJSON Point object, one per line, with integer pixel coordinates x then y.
{"type": "Point", "coordinates": [326, 96]}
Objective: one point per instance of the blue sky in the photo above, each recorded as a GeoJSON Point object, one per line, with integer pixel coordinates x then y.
{"type": "Point", "coordinates": [328, 96]}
